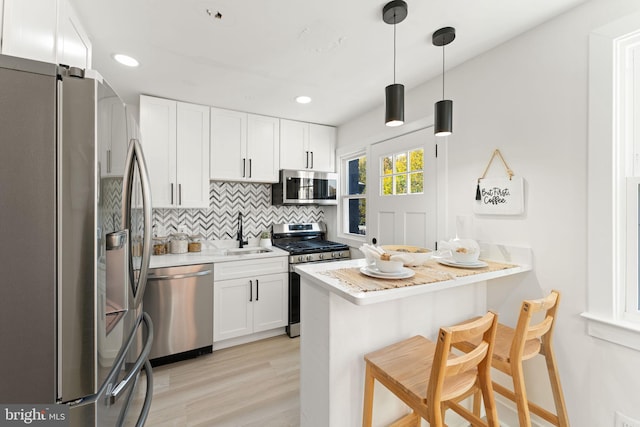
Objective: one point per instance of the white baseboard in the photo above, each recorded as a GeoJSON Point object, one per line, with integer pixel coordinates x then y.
{"type": "Point", "coordinates": [248, 338]}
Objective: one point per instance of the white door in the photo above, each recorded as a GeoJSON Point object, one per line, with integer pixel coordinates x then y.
{"type": "Point", "coordinates": [192, 156]}
{"type": "Point", "coordinates": [263, 148]}
{"type": "Point", "coordinates": [270, 304]}
{"type": "Point", "coordinates": [294, 141]}
{"type": "Point", "coordinates": [158, 133]}
{"type": "Point", "coordinates": [228, 142]}
{"type": "Point", "coordinates": [232, 309]}
{"type": "Point", "coordinates": [322, 146]}
{"type": "Point", "coordinates": [402, 191]}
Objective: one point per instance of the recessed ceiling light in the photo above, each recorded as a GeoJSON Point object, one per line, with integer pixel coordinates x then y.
{"type": "Point", "coordinates": [126, 60]}
{"type": "Point", "coordinates": [303, 99]}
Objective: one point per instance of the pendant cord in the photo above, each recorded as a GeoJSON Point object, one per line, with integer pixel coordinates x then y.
{"type": "Point", "coordinates": [443, 72]}
{"type": "Point", "coordinates": [394, 47]}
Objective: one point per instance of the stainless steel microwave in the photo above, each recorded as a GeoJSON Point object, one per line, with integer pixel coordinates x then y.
{"type": "Point", "coordinates": [305, 188]}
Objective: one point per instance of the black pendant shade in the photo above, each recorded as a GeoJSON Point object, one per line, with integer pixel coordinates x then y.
{"type": "Point", "coordinates": [443, 121]}
{"type": "Point", "coordinates": [394, 105]}
{"type": "Point", "coordinates": [393, 13]}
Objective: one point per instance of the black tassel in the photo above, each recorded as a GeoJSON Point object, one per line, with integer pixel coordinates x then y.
{"type": "Point", "coordinates": [478, 196]}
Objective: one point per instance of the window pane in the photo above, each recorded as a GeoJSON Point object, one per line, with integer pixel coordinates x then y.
{"type": "Point", "coordinates": [401, 163]}
{"type": "Point", "coordinates": [416, 159]}
{"type": "Point", "coordinates": [357, 216]}
{"type": "Point", "coordinates": [387, 165]}
{"type": "Point", "coordinates": [416, 182]}
{"type": "Point", "coordinates": [356, 176]}
{"type": "Point", "coordinates": [387, 185]}
{"type": "Point", "coordinates": [401, 184]}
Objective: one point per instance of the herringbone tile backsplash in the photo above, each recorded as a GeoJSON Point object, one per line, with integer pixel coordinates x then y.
{"type": "Point", "coordinates": [220, 221]}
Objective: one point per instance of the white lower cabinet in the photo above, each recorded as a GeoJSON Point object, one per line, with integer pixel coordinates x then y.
{"type": "Point", "coordinates": [251, 298]}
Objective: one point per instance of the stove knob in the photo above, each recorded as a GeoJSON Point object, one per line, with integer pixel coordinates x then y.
{"type": "Point", "coordinates": [321, 256]}
{"type": "Point", "coordinates": [333, 254]}
{"type": "Point", "coordinates": [300, 258]}
{"type": "Point", "coordinates": [308, 257]}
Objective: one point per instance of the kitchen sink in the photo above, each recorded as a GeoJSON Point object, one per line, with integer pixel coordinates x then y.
{"type": "Point", "coordinates": [247, 251]}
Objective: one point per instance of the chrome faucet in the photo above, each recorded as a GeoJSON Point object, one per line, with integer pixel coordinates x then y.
{"type": "Point", "coordinates": [241, 241]}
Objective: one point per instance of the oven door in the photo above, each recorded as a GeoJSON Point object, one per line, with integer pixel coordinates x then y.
{"type": "Point", "coordinates": [293, 327]}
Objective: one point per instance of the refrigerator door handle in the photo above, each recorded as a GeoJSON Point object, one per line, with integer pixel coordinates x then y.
{"type": "Point", "coordinates": [144, 412]}
{"type": "Point", "coordinates": [135, 154]}
{"type": "Point", "coordinates": [140, 361]}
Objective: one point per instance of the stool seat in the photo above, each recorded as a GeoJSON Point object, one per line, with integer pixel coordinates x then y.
{"type": "Point", "coordinates": [408, 364]}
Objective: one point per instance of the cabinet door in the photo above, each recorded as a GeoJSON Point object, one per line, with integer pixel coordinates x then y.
{"type": "Point", "coordinates": [29, 29]}
{"type": "Point", "coordinates": [112, 134]}
{"type": "Point", "coordinates": [322, 145]}
{"type": "Point", "coordinates": [270, 302]}
{"type": "Point", "coordinates": [263, 148]}
{"type": "Point", "coordinates": [232, 309]}
{"type": "Point", "coordinates": [228, 145]}
{"type": "Point", "coordinates": [192, 156]}
{"type": "Point", "coordinates": [158, 139]}
{"type": "Point", "coordinates": [74, 47]}
{"type": "Point", "coordinates": [294, 139]}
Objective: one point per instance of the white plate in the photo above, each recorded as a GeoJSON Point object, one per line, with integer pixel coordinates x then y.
{"type": "Point", "coordinates": [453, 263]}
{"type": "Point", "coordinates": [374, 272]}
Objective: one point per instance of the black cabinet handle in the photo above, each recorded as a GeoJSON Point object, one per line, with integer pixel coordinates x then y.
{"type": "Point", "coordinates": [257, 290]}
{"type": "Point", "coordinates": [250, 290]}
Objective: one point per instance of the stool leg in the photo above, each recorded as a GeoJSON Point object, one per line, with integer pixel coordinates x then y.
{"type": "Point", "coordinates": [367, 410]}
{"type": "Point", "coordinates": [556, 388]}
{"type": "Point", "coordinates": [520, 391]}
{"type": "Point", "coordinates": [477, 396]}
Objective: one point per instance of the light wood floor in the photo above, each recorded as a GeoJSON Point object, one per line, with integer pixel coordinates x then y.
{"type": "Point", "coordinates": [252, 385]}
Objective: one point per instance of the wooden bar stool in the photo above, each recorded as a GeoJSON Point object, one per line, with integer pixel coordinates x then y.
{"type": "Point", "coordinates": [513, 346]}
{"type": "Point", "coordinates": [430, 379]}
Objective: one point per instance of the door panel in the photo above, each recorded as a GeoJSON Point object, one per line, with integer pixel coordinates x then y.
{"type": "Point", "coordinates": [407, 217]}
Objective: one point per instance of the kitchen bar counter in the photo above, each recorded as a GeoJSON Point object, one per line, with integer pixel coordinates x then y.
{"type": "Point", "coordinates": [339, 325]}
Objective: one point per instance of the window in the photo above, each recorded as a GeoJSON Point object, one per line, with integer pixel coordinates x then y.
{"type": "Point", "coordinates": [613, 248]}
{"type": "Point", "coordinates": [354, 201]}
{"type": "Point", "coordinates": [402, 173]}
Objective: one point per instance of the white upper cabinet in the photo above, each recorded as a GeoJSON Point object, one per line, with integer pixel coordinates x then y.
{"type": "Point", "coordinates": [113, 139]}
{"type": "Point", "coordinates": [307, 146]}
{"type": "Point", "coordinates": [175, 138]}
{"type": "Point", "coordinates": [44, 30]}
{"type": "Point", "coordinates": [244, 147]}
{"type": "Point", "coordinates": [73, 45]}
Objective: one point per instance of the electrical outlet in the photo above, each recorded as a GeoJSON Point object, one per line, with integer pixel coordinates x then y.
{"type": "Point", "coordinates": [622, 420]}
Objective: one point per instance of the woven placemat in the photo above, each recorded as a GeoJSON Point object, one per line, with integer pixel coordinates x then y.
{"type": "Point", "coordinates": [430, 272]}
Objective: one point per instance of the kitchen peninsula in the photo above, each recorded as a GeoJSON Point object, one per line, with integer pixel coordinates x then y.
{"type": "Point", "coordinates": [340, 324]}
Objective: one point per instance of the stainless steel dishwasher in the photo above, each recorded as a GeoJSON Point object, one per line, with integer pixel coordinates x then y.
{"type": "Point", "coordinates": [179, 301]}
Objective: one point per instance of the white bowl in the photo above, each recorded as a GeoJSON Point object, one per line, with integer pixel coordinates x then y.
{"type": "Point", "coordinates": [389, 266]}
{"type": "Point", "coordinates": [411, 255]}
{"type": "Point", "coordinates": [465, 254]}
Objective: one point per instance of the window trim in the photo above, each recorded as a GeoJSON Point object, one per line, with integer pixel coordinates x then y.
{"type": "Point", "coordinates": [606, 284]}
{"type": "Point", "coordinates": [354, 240]}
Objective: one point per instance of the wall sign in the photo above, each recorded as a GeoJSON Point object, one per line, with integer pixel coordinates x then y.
{"type": "Point", "coordinates": [499, 196]}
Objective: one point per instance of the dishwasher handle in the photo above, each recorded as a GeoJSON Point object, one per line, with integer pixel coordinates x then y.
{"type": "Point", "coordinates": [178, 276]}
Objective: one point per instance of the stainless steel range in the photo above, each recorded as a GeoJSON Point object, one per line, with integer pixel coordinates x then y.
{"type": "Point", "coordinates": [305, 243]}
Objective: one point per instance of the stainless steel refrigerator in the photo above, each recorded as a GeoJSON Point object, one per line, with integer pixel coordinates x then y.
{"type": "Point", "coordinates": [74, 247]}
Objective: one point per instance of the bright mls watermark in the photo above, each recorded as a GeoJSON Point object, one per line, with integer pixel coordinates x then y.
{"type": "Point", "coordinates": [34, 415]}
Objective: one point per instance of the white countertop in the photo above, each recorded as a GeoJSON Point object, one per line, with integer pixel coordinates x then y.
{"type": "Point", "coordinates": [520, 257]}
{"type": "Point", "coordinates": [210, 256]}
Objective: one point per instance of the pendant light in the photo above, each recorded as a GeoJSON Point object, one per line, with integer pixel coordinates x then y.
{"type": "Point", "coordinates": [394, 12]}
{"type": "Point", "coordinates": [443, 125]}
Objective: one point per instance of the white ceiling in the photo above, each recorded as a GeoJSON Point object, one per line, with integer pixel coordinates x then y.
{"type": "Point", "coordinates": [263, 53]}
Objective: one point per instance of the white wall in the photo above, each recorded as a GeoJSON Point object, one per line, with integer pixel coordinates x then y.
{"type": "Point", "coordinates": [528, 97]}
